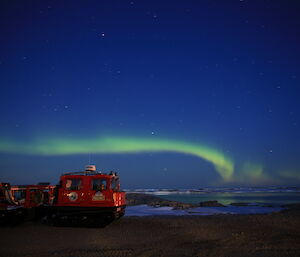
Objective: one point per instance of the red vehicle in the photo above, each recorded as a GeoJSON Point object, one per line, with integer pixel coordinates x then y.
{"type": "Point", "coordinates": [89, 196]}
{"type": "Point", "coordinates": [23, 202]}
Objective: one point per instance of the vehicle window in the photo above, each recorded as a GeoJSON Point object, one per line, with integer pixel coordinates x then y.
{"type": "Point", "coordinates": [115, 184]}
{"type": "Point", "coordinates": [20, 194]}
{"type": "Point", "coordinates": [99, 184]}
{"type": "Point", "coordinates": [73, 184]}
{"type": "Point", "coordinates": [35, 196]}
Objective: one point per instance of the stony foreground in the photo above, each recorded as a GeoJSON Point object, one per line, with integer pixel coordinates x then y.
{"type": "Point", "coordinates": [271, 235]}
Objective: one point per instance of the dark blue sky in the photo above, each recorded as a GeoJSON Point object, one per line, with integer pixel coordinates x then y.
{"type": "Point", "coordinates": [219, 74]}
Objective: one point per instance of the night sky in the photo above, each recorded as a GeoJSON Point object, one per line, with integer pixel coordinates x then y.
{"type": "Point", "coordinates": [170, 94]}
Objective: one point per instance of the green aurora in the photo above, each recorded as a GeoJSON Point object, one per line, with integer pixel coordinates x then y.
{"type": "Point", "coordinates": [109, 145]}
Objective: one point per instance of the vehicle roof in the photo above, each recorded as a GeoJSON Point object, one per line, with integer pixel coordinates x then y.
{"type": "Point", "coordinates": [84, 174]}
{"type": "Point", "coordinates": [30, 186]}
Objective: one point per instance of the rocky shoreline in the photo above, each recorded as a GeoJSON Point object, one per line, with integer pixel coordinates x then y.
{"type": "Point", "coordinates": [155, 201]}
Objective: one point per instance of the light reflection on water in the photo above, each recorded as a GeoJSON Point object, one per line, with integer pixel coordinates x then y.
{"type": "Point", "coordinates": [274, 198]}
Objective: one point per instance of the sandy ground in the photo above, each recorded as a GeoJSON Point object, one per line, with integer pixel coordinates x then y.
{"type": "Point", "coordinates": [271, 235]}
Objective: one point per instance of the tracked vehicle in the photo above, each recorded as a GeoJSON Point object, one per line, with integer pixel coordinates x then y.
{"type": "Point", "coordinates": [88, 196]}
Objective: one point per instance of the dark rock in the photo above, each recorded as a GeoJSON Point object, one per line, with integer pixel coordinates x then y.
{"type": "Point", "coordinates": [293, 208]}
{"type": "Point", "coordinates": [137, 199]}
{"type": "Point", "coordinates": [211, 204]}
{"type": "Point", "coordinates": [239, 204]}
{"type": "Point", "coordinates": [154, 201]}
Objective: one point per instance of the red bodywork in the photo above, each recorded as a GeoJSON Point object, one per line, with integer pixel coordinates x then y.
{"type": "Point", "coordinates": [86, 194]}
{"type": "Point", "coordinates": [31, 196]}
{"type": "Point", "coordinates": [22, 202]}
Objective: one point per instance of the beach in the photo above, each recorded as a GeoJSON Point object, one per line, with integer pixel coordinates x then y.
{"type": "Point", "coordinates": [275, 234]}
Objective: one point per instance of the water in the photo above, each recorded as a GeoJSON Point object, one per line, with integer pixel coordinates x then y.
{"type": "Point", "coordinates": [227, 198]}
{"type": "Point", "coordinates": [253, 195]}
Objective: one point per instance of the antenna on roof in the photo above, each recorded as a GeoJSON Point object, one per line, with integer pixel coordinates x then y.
{"type": "Point", "coordinates": [90, 158]}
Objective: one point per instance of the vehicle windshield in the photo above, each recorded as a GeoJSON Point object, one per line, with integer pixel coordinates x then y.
{"type": "Point", "coordinates": [73, 184]}
{"type": "Point", "coordinates": [99, 184]}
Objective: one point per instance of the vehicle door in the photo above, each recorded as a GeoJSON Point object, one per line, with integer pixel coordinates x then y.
{"type": "Point", "coordinates": [72, 191]}
{"type": "Point", "coordinates": [100, 194]}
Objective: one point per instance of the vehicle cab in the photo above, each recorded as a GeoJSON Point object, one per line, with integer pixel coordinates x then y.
{"type": "Point", "coordinates": [89, 192]}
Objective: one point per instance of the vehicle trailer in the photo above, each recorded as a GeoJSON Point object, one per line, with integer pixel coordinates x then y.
{"type": "Point", "coordinates": [35, 199]}
{"type": "Point", "coordinates": [88, 197]}
{"type": "Point", "coordinates": [23, 202]}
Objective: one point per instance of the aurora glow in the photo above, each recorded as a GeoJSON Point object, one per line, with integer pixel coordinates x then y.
{"type": "Point", "coordinates": [210, 80]}
{"type": "Point", "coordinates": [251, 172]}
{"type": "Point", "coordinates": [223, 164]}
